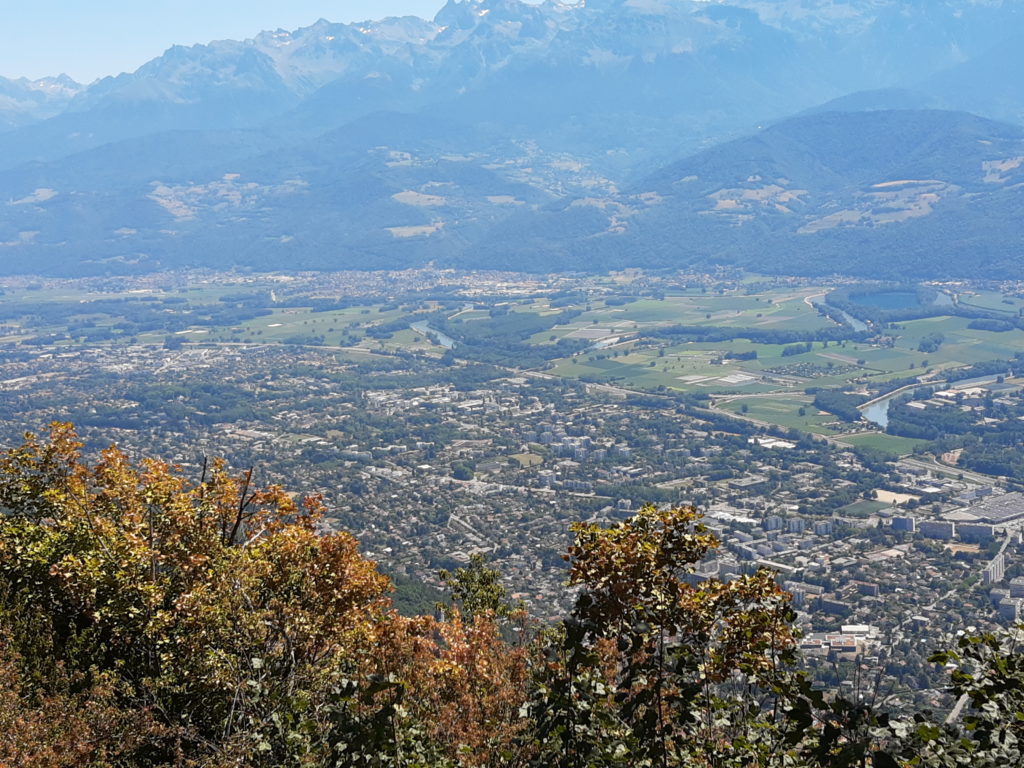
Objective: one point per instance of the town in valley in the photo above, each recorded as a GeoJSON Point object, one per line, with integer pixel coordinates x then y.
{"type": "Point", "coordinates": [859, 439]}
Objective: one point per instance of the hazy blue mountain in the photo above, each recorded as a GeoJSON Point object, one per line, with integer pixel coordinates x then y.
{"type": "Point", "coordinates": [883, 99]}
{"type": "Point", "coordinates": [202, 88]}
{"type": "Point", "coordinates": [404, 140]}
{"type": "Point", "coordinates": [922, 193]}
{"type": "Point", "coordinates": [612, 75]}
{"type": "Point", "coordinates": [390, 188]}
{"type": "Point", "coordinates": [171, 156]}
{"type": "Point", "coordinates": [893, 42]}
{"type": "Point", "coordinates": [914, 193]}
{"type": "Point", "coordinates": [25, 101]}
{"type": "Point", "coordinates": [988, 84]}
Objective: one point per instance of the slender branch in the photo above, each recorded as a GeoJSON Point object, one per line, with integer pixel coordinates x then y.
{"type": "Point", "coordinates": [243, 502]}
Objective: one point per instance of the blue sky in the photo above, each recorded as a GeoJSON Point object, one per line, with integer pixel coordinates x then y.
{"type": "Point", "coordinates": [92, 38]}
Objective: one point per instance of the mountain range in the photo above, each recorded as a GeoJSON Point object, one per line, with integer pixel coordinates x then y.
{"type": "Point", "coordinates": [784, 135]}
{"type": "Point", "coordinates": [24, 101]}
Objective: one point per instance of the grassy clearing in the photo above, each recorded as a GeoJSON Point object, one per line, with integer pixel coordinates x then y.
{"type": "Point", "coordinates": [337, 327]}
{"type": "Point", "coordinates": [901, 446]}
{"type": "Point", "coordinates": [527, 459]}
{"type": "Point", "coordinates": [863, 508]}
{"type": "Point", "coordinates": [784, 411]}
{"type": "Point", "coordinates": [993, 301]}
{"type": "Point", "coordinates": [685, 368]}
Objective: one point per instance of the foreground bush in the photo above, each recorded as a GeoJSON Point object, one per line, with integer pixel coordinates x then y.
{"type": "Point", "coordinates": [149, 620]}
{"type": "Point", "coordinates": [220, 625]}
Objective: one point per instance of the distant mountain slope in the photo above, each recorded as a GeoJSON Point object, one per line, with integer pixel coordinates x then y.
{"type": "Point", "coordinates": [880, 193]}
{"type": "Point", "coordinates": [390, 189]}
{"type": "Point", "coordinates": [922, 193]}
{"type": "Point", "coordinates": [882, 99]}
{"type": "Point", "coordinates": [502, 122]}
{"type": "Point", "coordinates": [25, 101]}
{"type": "Point", "coordinates": [216, 87]}
{"type": "Point", "coordinates": [988, 84]}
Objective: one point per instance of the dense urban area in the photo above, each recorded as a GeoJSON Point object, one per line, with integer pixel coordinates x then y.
{"type": "Point", "coordinates": [444, 414]}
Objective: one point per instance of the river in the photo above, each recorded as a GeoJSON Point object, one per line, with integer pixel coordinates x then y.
{"type": "Point", "coordinates": [878, 412]}
{"type": "Point", "coordinates": [443, 339]}
{"type": "Point", "coordinates": [857, 325]}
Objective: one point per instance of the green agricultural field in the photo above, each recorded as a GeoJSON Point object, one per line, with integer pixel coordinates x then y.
{"type": "Point", "coordinates": [76, 294]}
{"type": "Point", "coordinates": [785, 309]}
{"type": "Point", "coordinates": [901, 446]}
{"type": "Point", "coordinates": [784, 411]}
{"type": "Point", "coordinates": [993, 301]}
{"type": "Point", "coordinates": [613, 329]}
{"type": "Point", "coordinates": [693, 366]}
{"type": "Point", "coordinates": [688, 367]}
{"type": "Point", "coordinates": [961, 345]}
{"type": "Point", "coordinates": [295, 322]}
{"type": "Point", "coordinates": [652, 363]}
{"type": "Point", "coordinates": [410, 339]}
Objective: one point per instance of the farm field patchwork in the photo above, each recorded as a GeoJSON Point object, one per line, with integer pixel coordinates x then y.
{"type": "Point", "coordinates": [655, 342]}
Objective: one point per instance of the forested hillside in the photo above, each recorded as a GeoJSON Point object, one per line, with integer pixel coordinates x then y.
{"type": "Point", "coordinates": [881, 193]}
